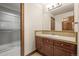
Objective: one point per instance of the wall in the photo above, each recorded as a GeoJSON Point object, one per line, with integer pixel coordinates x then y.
{"type": "Point", "coordinates": [76, 27]}
{"type": "Point", "coordinates": [59, 18]}
{"type": "Point", "coordinates": [76, 14]}
{"type": "Point", "coordinates": [34, 19]}
{"type": "Point", "coordinates": [26, 29]}
{"type": "Point", "coordinates": [46, 25]}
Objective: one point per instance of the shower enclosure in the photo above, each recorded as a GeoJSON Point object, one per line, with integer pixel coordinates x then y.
{"type": "Point", "coordinates": [9, 30]}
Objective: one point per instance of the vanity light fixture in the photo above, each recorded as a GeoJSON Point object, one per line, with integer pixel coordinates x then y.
{"type": "Point", "coordinates": [65, 19]}
{"type": "Point", "coordinates": [53, 5]}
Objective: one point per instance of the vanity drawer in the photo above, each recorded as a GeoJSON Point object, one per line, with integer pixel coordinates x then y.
{"type": "Point", "coordinates": [65, 45]}
{"type": "Point", "coordinates": [48, 41]}
{"type": "Point", "coordinates": [58, 43]}
{"type": "Point", "coordinates": [70, 46]}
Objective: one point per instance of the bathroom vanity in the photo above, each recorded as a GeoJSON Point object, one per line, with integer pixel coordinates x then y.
{"type": "Point", "coordinates": [56, 45]}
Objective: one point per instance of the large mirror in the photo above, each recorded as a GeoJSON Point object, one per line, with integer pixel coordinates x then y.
{"type": "Point", "coordinates": [62, 18]}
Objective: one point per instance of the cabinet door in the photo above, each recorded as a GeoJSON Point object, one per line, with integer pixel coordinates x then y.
{"type": "Point", "coordinates": [39, 44]}
{"type": "Point", "coordinates": [59, 51]}
{"type": "Point", "coordinates": [48, 45]}
{"type": "Point", "coordinates": [48, 50]}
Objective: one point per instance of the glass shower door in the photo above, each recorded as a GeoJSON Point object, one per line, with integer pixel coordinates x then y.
{"type": "Point", "coordinates": [9, 33]}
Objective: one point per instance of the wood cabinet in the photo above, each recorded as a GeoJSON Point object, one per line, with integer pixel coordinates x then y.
{"type": "Point", "coordinates": [67, 24]}
{"type": "Point", "coordinates": [58, 51]}
{"type": "Point", "coordinates": [39, 44]}
{"type": "Point", "coordinates": [53, 47]}
{"type": "Point", "coordinates": [43, 45]}
{"type": "Point", "coordinates": [64, 49]}
{"type": "Point", "coordinates": [48, 45]}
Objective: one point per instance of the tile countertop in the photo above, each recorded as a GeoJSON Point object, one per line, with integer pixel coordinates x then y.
{"type": "Point", "coordinates": [58, 37]}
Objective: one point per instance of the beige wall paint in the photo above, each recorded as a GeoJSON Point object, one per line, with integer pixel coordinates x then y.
{"type": "Point", "coordinates": [26, 29]}
{"type": "Point", "coordinates": [76, 14]}
{"type": "Point", "coordinates": [35, 19]}
{"type": "Point", "coordinates": [76, 27]}
{"type": "Point", "coordinates": [46, 22]}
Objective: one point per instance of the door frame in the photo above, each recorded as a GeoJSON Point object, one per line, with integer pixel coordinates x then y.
{"type": "Point", "coordinates": [22, 29]}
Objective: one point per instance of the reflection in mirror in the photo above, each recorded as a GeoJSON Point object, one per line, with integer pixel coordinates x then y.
{"type": "Point", "coordinates": [68, 24]}
{"type": "Point", "coordinates": [52, 23]}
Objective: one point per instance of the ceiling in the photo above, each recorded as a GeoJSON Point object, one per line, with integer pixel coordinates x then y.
{"type": "Point", "coordinates": [12, 6]}
{"type": "Point", "coordinates": [64, 8]}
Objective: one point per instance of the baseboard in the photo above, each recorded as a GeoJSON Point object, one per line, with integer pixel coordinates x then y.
{"type": "Point", "coordinates": [40, 53]}
{"type": "Point", "coordinates": [31, 53]}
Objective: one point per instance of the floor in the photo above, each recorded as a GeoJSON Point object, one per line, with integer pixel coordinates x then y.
{"type": "Point", "coordinates": [36, 54]}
